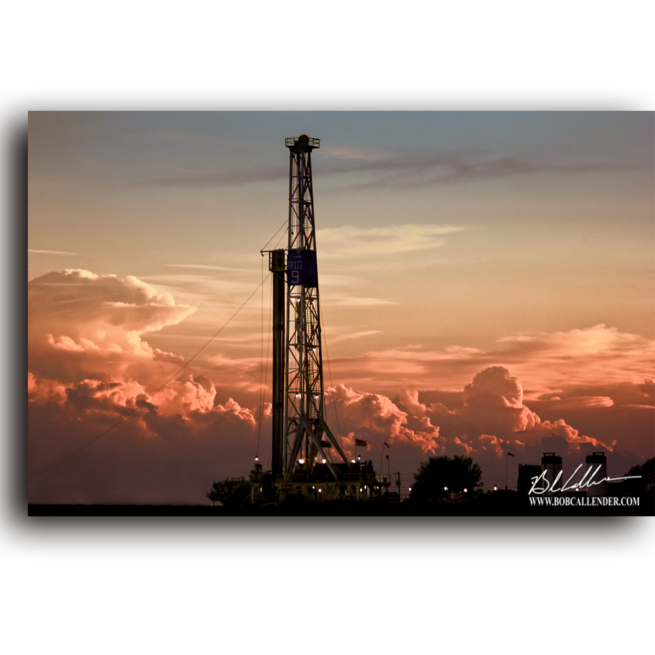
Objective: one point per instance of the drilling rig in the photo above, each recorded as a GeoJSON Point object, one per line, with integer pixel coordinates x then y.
{"type": "Point", "coordinates": [303, 464]}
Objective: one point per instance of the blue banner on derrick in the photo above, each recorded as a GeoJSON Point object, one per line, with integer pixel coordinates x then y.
{"type": "Point", "coordinates": [301, 268]}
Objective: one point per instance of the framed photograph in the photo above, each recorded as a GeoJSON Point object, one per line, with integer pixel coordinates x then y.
{"type": "Point", "coordinates": [341, 313]}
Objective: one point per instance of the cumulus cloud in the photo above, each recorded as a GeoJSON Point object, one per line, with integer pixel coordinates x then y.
{"type": "Point", "coordinates": [185, 395]}
{"type": "Point", "coordinates": [152, 457]}
{"type": "Point", "coordinates": [485, 420]}
{"type": "Point", "coordinates": [376, 419]}
{"type": "Point", "coordinates": [175, 449]}
{"type": "Point", "coordinates": [86, 325]}
{"type": "Point", "coordinates": [42, 390]}
{"type": "Point", "coordinates": [86, 346]}
{"type": "Point", "coordinates": [490, 418]}
{"type": "Point", "coordinates": [90, 364]}
{"type": "Point", "coordinates": [590, 387]}
{"type": "Point", "coordinates": [493, 406]}
{"type": "Point", "coordinates": [494, 401]}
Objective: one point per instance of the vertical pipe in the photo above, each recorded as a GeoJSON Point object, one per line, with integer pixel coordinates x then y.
{"type": "Point", "coordinates": [279, 350]}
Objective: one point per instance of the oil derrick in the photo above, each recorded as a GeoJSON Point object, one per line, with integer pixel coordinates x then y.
{"type": "Point", "coordinates": [302, 442]}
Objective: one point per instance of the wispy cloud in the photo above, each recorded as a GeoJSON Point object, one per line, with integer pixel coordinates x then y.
{"type": "Point", "coordinates": [354, 335]}
{"type": "Point", "coordinates": [364, 154]}
{"type": "Point", "coordinates": [361, 302]}
{"type": "Point", "coordinates": [336, 280]}
{"type": "Point", "coordinates": [209, 267]}
{"type": "Point", "coordinates": [417, 167]}
{"type": "Point", "coordinates": [196, 286]}
{"type": "Point", "coordinates": [597, 355]}
{"type": "Point", "coordinates": [219, 179]}
{"type": "Point", "coordinates": [51, 252]}
{"type": "Point", "coordinates": [350, 240]}
{"type": "Point", "coordinates": [427, 167]}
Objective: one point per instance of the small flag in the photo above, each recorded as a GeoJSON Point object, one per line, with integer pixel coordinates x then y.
{"type": "Point", "coordinates": [387, 445]}
{"type": "Point", "coordinates": [510, 454]}
{"type": "Point", "coordinates": [360, 442]}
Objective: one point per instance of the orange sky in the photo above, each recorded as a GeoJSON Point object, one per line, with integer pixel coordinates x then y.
{"type": "Point", "coordinates": [486, 284]}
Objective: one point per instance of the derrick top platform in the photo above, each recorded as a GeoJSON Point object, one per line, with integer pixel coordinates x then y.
{"type": "Point", "coordinates": [302, 143]}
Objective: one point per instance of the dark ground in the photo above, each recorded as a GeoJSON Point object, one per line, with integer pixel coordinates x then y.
{"type": "Point", "coordinates": [499, 504]}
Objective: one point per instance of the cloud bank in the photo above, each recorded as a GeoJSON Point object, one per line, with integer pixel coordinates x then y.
{"type": "Point", "coordinates": [83, 324]}
{"type": "Point", "coordinates": [89, 364]}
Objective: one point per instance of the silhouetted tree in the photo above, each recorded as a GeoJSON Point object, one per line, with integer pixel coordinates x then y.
{"type": "Point", "coordinates": [231, 492]}
{"type": "Point", "coordinates": [646, 483]}
{"type": "Point", "coordinates": [456, 473]}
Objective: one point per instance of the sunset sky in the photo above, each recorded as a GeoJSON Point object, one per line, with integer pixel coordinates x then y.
{"type": "Point", "coordinates": [486, 281]}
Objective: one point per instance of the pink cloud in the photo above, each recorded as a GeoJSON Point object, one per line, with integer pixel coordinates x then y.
{"type": "Point", "coordinates": [376, 419]}
{"type": "Point", "coordinates": [545, 362]}
{"type": "Point", "coordinates": [85, 325]}
{"type": "Point", "coordinates": [493, 406]}
{"type": "Point", "coordinates": [151, 457]}
{"type": "Point", "coordinates": [582, 401]}
{"type": "Point", "coordinates": [40, 390]}
{"type": "Point", "coordinates": [90, 364]}
{"type": "Point", "coordinates": [185, 395]}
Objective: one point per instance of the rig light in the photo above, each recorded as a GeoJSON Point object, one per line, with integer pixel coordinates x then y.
{"type": "Point", "coordinates": [301, 462]}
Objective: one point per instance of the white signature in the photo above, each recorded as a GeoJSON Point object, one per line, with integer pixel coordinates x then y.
{"type": "Point", "coordinates": [587, 480]}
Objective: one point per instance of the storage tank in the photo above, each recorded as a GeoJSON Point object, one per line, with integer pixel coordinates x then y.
{"type": "Point", "coordinates": [552, 464]}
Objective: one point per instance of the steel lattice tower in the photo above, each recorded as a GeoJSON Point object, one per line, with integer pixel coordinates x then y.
{"type": "Point", "coordinates": [306, 433]}
{"type": "Point", "coordinates": [300, 434]}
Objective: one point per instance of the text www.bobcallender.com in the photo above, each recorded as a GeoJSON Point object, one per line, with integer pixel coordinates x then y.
{"type": "Point", "coordinates": [593, 501]}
